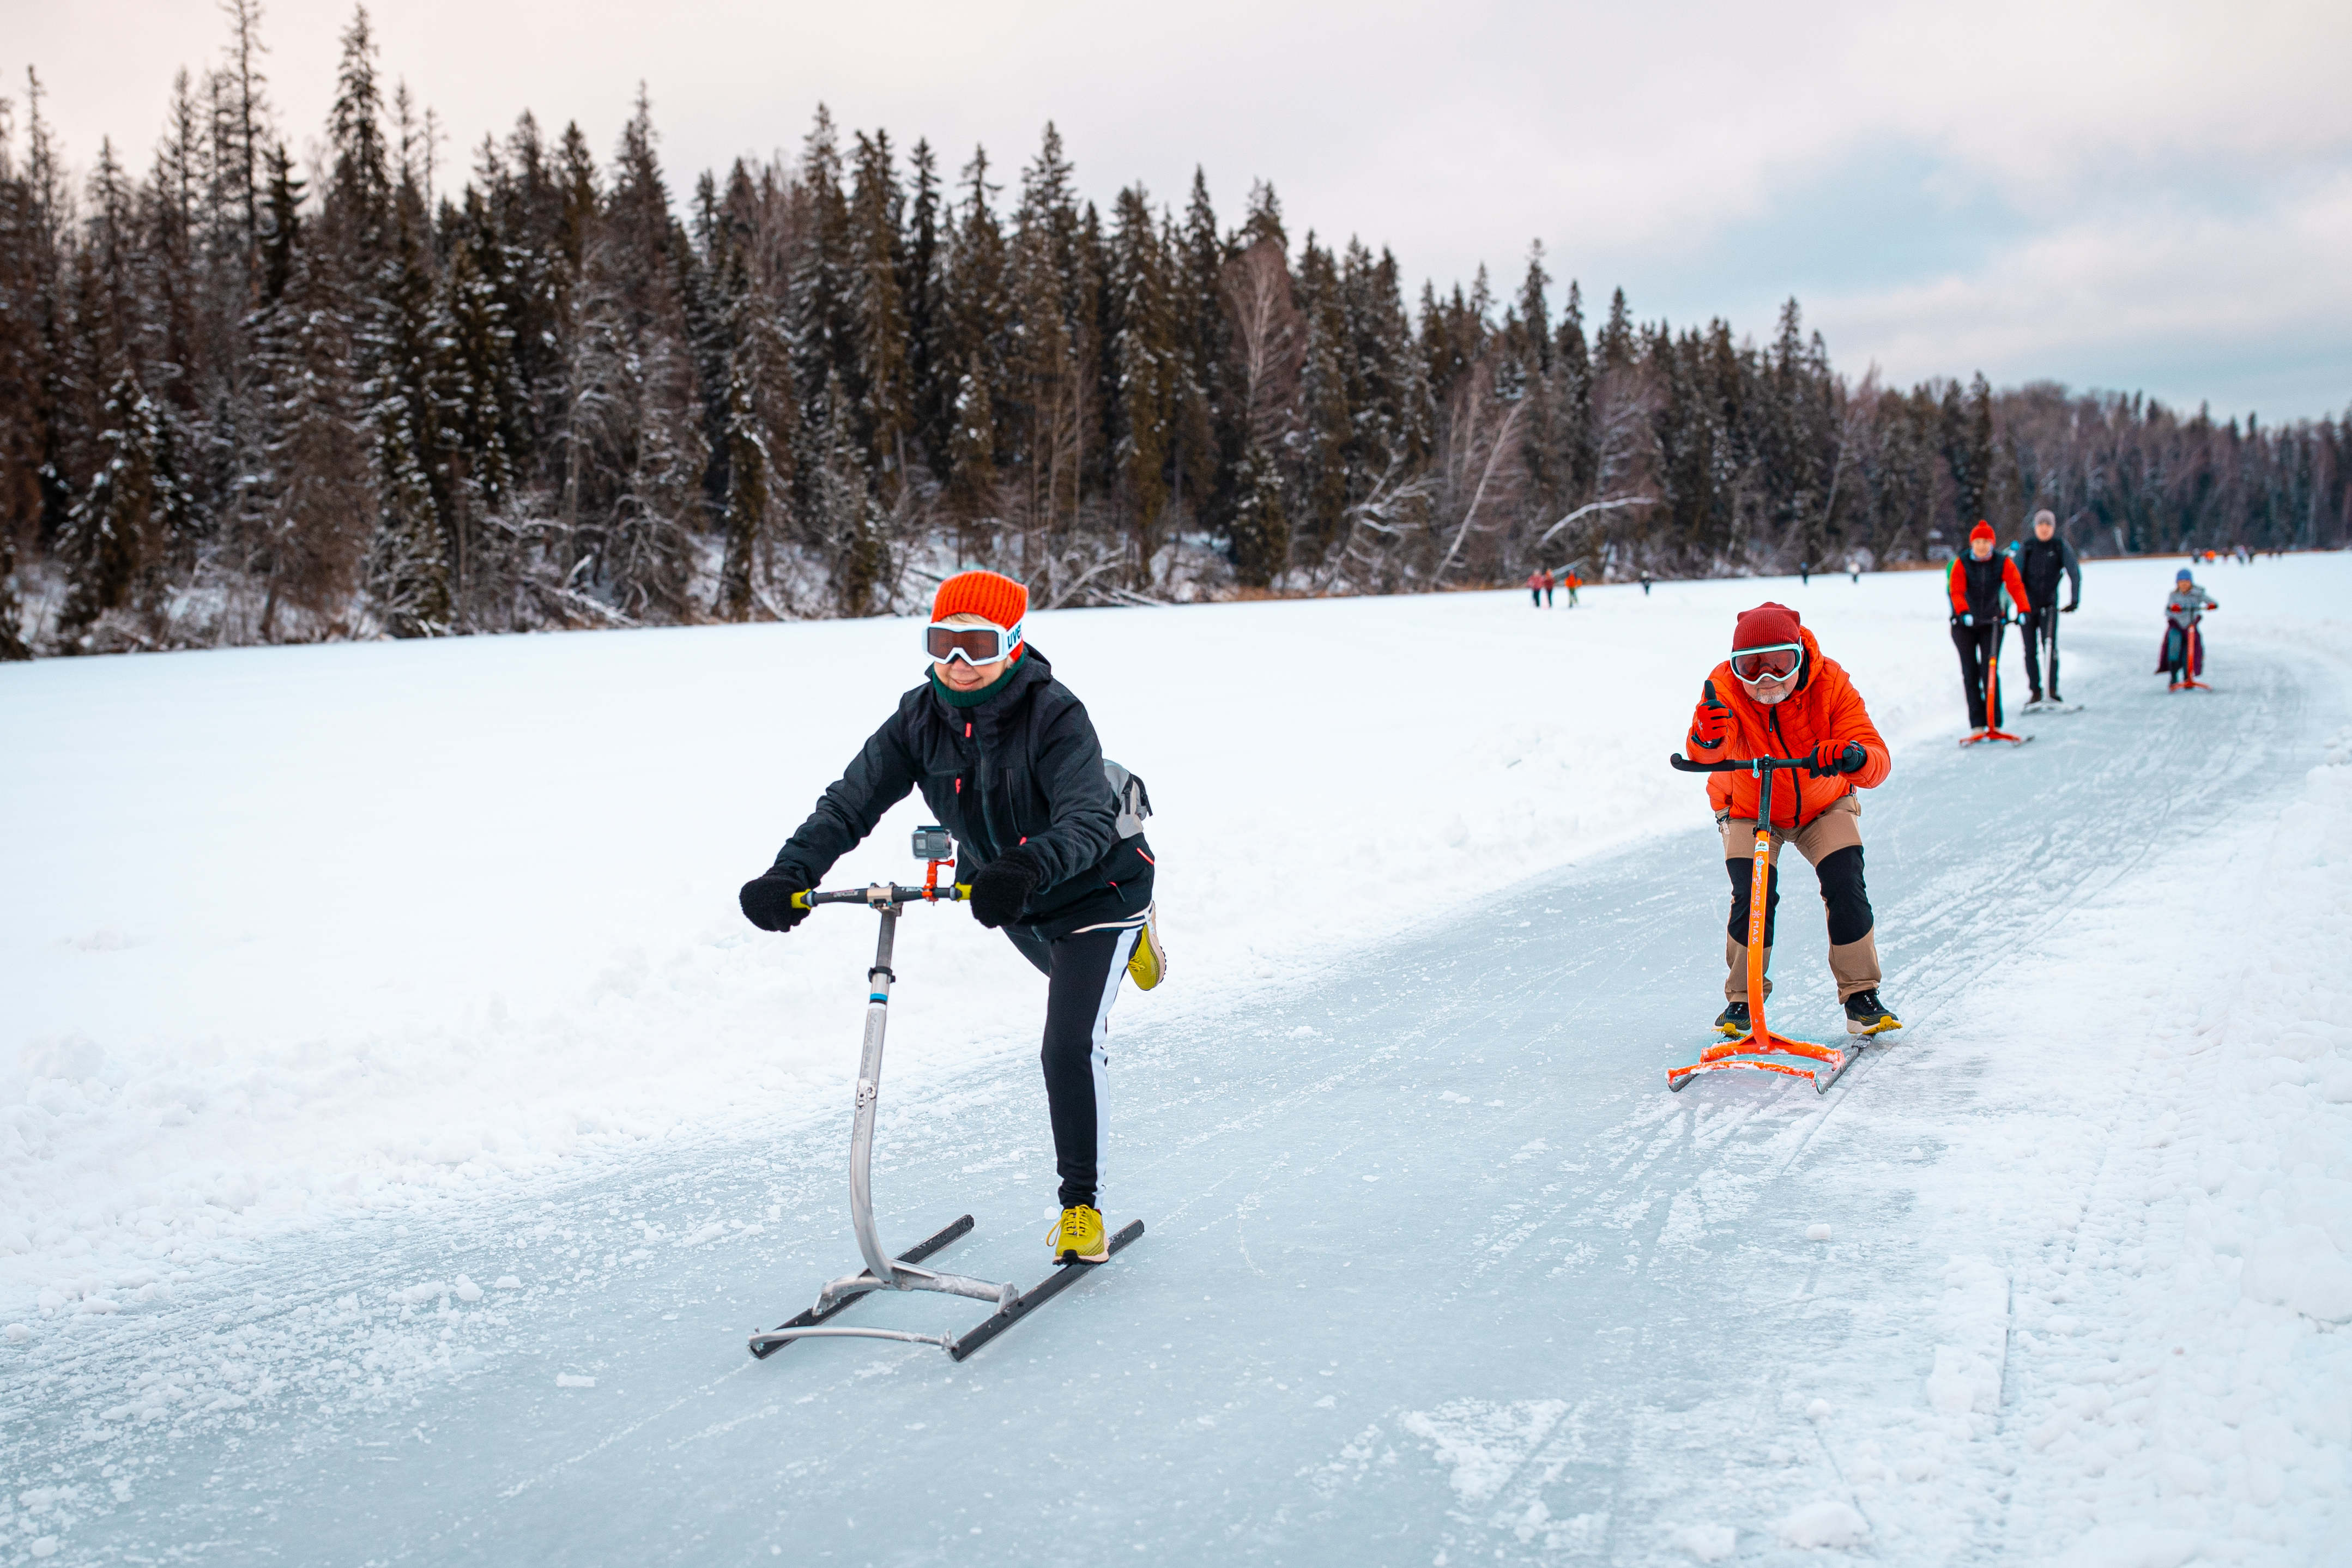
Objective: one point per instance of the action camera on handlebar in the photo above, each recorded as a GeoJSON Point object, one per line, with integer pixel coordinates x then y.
{"type": "Point", "coordinates": [933, 843]}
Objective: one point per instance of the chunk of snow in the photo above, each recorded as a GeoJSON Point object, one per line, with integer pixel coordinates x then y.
{"type": "Point", "coordinates": [1825, 1524]}
{"type": "Point", "coordinates": [1819, 1410]}
{"type": "Point", "coordinates": [1706, 1542]}
{"type": "Point", "coordinates": [1482, 1444]}
{"type": "Point", "coordinates": [465, 1289]}
{"type": "Point", "coordinates": [414, 1295]}
{"type": "Point", "coordinates": [2300, 1269]}
{"type": "Point", "coordinates": [71, 1057]}
{"type": "Point", "coordinates": [508, 1283]}
{"type": "Point", "coordinates": [2130, 1546]}
{"type": "Point", "coordinates": [1817, 1233]}
{"type": "Point", "coordinates": [573, 1380]}
{"type": "Point", "coordinates": [17, 1333]}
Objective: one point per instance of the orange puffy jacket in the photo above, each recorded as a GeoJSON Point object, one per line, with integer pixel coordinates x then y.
{"type": "Point", "coordinates": [1824, 707]}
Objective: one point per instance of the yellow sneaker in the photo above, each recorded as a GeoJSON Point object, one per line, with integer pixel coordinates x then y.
{"type": "Point", "coordinates": [1149, 963]}
{"type": "Point", "coordinates": [1079, 1238]}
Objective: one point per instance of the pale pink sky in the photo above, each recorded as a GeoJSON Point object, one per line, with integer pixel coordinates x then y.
{"type": "Point", "coordinates": [2154, 195]}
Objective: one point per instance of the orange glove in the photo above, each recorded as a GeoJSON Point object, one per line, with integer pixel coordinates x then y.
{"type": "Point", "coordinates": [1710, 722]}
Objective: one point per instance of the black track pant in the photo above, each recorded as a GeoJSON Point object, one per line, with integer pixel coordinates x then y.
{"type": "Point", "coordinates": [1084, 972]}
{"type": "Point", "coordinates": [2041, 626]}
{"type": "Point", "coordinates": [1977, 646]}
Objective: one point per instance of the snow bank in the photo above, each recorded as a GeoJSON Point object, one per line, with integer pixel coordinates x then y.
{"type": "Point", "coordinates": [296, 933]}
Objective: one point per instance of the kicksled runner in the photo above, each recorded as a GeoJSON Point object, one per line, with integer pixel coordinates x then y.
{"type": "Point", "coordinates": [904, 1272]}
{"type": "Point", "coordinates": [1824, 1064]}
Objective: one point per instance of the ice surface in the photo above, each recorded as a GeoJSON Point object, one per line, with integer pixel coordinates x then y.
{"type": "Point", "coordinates": [2085, 1207]}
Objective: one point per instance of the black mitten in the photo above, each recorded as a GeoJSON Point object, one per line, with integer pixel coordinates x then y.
{"type": "Point", "coordinates": [1002, 888]}
{"type": "Point", "coordinates": [767, 899]}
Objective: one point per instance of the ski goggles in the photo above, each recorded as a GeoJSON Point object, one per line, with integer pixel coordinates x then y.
{"type": "Point", "coordinates": [1778, 663]}
{"type": "Point", "coordinates": [972, 645]}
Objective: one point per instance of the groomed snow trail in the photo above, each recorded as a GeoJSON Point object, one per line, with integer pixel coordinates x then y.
{"type": "Point", "coordinates": [1437, 1271]}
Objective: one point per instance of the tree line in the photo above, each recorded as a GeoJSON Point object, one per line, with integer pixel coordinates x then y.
{"type": "Point", "coordinates": [247, 400]}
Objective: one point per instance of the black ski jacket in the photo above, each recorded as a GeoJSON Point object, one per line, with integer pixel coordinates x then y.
{"type": "Point", "coordinates": [2041, 565]}
{"type": "Point", "coordinates": [1022, 767]}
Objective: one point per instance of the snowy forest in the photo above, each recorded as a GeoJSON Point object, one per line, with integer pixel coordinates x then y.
{"type": "Point", "coordinates": [245, 399]}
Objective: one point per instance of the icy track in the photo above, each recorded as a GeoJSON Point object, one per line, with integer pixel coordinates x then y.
{"type": "Point", "coordinates": [1437, 1271]}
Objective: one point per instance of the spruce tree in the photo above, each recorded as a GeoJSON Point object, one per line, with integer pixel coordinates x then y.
{"type": "Point", "coordinates": [110, 545]}
{"type": "Point", "coordinates": [1147, 374]}
{"type": "Point", "coordinates": [881, 379]}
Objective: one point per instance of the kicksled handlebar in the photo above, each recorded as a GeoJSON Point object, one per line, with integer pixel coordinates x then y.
{"type": "Point", "coordinates": [885, 895]}
{"type": "Point", "coordinates": [1682, 764]}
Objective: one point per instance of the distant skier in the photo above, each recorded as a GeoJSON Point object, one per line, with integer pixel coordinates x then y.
{"type": "Point", "coordinates": [1804, 574]}
{"type": "Point", "coordinates": [1574, 582]}
{"type": "Point", "coordinates": [2184, 655]}
{"type": "Point", "coordinates": [2041, 561]}
{"type": "Point", "coordinates": [1008, 762]}
{"type": "Point", "coordinates": [1776, 696]}
{"type": "Point", "coordinates": [1645, 585]}
{"type": "Point", "coordinates": [1974, 585]}
{"type": "Point", "coordinates": [1536, 588]}
{"type": "Point", "coordinates": [1549, 581]}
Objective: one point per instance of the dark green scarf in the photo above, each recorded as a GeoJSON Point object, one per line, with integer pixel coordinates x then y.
{"type": "Point", "coordinates": [954, 698]}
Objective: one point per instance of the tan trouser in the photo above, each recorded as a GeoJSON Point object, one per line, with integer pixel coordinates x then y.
{"type": "Point", "coordinates": [1854, 964]}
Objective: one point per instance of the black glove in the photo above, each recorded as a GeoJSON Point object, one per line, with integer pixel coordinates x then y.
{"type": "Point", "coordinates": [1001, 889]}
{"type": "Point", "coordinates": [1966, 620]}
{"type": "Point", "coordinates": [767, 899]}
{"type": "Point", "coordinates": [1828, 761]}
{"type": "Point", "coordinates": [2070, 608]}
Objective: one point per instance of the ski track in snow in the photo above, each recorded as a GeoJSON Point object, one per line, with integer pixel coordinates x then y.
{"type": "Point", "coordinates": [1449, 1279]}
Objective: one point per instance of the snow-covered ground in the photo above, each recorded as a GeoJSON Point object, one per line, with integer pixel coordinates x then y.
{"type": "Point", "coordinates": [294, 932]}
{"type": "Point", "coordinates": [360, 939]}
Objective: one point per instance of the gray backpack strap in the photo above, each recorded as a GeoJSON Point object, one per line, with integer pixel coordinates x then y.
{"type": "Point", "coordinates": [1134, 800]}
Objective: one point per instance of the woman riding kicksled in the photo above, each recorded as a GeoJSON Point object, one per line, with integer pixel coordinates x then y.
{"type": "Point", "coordinates": [1008, 762]}
{"type": "Point", "coordinates": [1777, 696]}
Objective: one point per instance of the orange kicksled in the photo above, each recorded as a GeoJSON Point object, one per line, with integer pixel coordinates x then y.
{"type": "Point", "coordinates": [1751, 1050]}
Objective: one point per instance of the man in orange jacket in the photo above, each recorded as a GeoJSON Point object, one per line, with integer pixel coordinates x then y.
{"type": "Point", "coordinates": [1776, 696]}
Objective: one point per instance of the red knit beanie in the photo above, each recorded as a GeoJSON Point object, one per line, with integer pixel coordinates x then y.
{"type": "Point", "coordinates": [1983, 530]}
{"type": "Point", "coordinates": [1769, 625]}
{"type": "Point", "coordinates": [996, 599]}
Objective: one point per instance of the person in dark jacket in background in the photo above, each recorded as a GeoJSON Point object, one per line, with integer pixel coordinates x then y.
{"type": "Point", "coordinates": [1974, 585]}
{"type": "Point", "coordinates": [2041, 560]}
{"type": "Point", "coordinates": [1008, 762]}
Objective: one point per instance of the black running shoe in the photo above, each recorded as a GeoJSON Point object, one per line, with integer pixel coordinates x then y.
{"type": "Point", "coordinates": [1732, 1021]}
{"type": "Point", "coordinates": [1865, 1014]}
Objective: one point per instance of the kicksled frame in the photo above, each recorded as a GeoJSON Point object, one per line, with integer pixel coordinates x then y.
{"type": "Point", "coordinates": [1824, 1064]}
{"type": "Point", "coordinates": [905, 1272]}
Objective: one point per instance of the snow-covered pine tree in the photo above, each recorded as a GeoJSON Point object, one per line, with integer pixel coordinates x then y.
{"type": "Point", "coordinates": [880, 379]}
{"type": "Point", "coordinates": [1148, 375]}
{"type": "Point", "coordinates": [110, 545]}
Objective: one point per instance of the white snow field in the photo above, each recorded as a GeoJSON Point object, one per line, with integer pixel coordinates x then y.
{"type": "Point", "coordinates": [400, 1128]}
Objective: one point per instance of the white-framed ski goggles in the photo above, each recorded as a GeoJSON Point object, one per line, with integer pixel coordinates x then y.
{"type": "Point", "coordinates": [1779, 661]}
{"type": "Point", "coordinates": [972, 645]}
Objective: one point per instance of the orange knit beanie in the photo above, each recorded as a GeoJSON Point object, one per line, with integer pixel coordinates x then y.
{"type": "Point", "coordinates": [996, 599]}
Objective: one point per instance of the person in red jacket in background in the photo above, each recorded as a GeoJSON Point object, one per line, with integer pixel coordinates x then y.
{"type": "Point", "coordinates": [1975, 584]}
{"type": "Point", "coordinates": [1777, 695]}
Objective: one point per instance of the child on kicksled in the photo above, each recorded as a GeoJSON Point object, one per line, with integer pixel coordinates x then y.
{"type": "Point", "coordinates": [1777, 696]}
{"type": "Point", "coordinates": [1008, 762]}
{"type": "Point", "coordinates": [2184, 645]}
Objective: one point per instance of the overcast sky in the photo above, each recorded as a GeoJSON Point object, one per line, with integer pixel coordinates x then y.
{"type": "Point", "coordinates": [2153, 195]}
